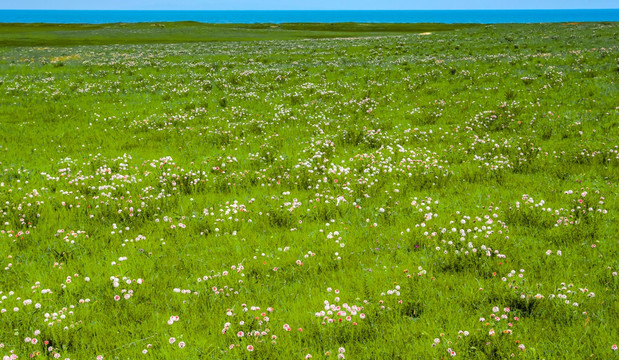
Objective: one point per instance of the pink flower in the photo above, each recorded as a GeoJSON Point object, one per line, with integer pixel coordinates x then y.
{"type": "Point", "coordinates": [181, 344]}
{"type": "Point", "coordinates": [614, 347]}
{"type": "Point", "coordinates": [250, 348]}
{"type": "Point", "coordinates": [172, 340]}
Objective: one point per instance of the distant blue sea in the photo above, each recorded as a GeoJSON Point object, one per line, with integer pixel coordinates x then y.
{"type": "Point", "coordinates": [326, 16]}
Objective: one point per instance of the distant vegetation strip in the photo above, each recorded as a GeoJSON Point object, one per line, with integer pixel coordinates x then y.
{"type": "Point", "coordinates": [12, 34]}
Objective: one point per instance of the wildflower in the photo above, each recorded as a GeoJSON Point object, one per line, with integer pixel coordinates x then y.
{"type": "Point", "coordinates": [250, 348]}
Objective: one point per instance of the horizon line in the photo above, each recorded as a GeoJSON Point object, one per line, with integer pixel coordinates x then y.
{"type": "Point", "coordinates": [516, 9]}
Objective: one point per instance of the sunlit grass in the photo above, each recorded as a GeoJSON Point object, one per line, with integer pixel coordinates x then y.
{"type": "Point", "coordinates": [395, 196]}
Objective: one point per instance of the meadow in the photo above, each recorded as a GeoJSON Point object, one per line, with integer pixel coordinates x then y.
{"type": "Point", "coordinates": [322, 191]}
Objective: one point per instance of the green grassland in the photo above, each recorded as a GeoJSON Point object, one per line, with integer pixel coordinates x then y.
{"type": "Point", "coordinates": [360, 191]}
{"type": "Point", "coordinates": [184, 32]}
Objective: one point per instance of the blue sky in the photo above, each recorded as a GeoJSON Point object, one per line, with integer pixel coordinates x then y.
{"type": "Point", "coordinates": [305, 5]}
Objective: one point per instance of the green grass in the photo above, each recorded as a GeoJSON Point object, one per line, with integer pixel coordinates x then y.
{"type": "Point", "coordinates": [185, 32]}
{"type": "Point", "coordinates": [423, 177]}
